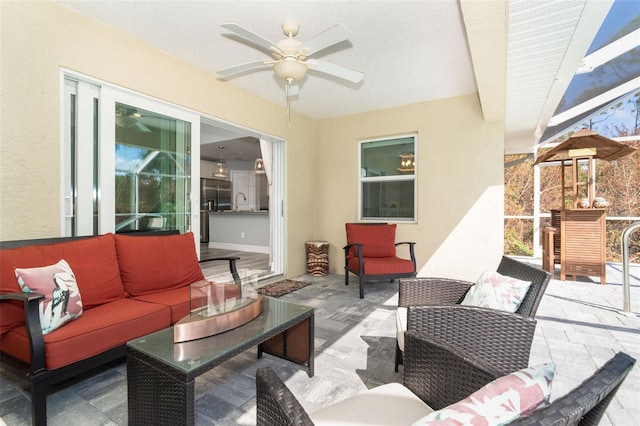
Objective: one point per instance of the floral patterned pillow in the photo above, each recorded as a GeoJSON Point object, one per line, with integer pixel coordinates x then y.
{"type": "Point", "coordinates": [496, 291]}
{"type": "Point", "coordinates": [62, 301]}
{"type": "Point", "coordinates": [501, 401]}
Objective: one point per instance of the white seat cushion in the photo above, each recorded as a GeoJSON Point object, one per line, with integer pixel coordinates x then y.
{"type": "Point", "coordinates": [401, 326]}
{"type": "Point", "coordinates": [390, 404]}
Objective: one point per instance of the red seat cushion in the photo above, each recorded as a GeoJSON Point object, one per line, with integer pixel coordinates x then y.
{"type": "Point", "coordinates": [93, 261]}
{"type": "Point", "coordinates": [378, 239]}
{"type": "Point", "coordinates": [150, 264]}
{"type": "Point", "coordinates": [178, 300]}
{"type": "Point", "coordinates": [383, 265]}
{"type": "Point", "coordinates": [97, 330]}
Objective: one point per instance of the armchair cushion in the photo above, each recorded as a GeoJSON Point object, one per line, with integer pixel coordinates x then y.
{"type": "Point", "coordinates": [388, 404]}
{"type": "Point", "coordinates": [496, 291]}
{"type": "Point", "coordinates": [401, 326]}
{"type": "Point", "coordinates": [377, 240]}
{"type": "Point", "coordinates": [500, 401]}
{"type": "Point", "coordinates": [383, 265]}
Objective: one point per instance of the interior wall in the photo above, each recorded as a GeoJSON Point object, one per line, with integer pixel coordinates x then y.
{"type": "Point", "coordinates": [459, 231]}
{"type": "Point", "coordinates": [41, 38]}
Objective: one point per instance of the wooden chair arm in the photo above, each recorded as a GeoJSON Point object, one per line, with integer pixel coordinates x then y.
{"type": "Point", "coordinates": [31, 303]}
{"type": "Point", "coordinates": [232, 266]}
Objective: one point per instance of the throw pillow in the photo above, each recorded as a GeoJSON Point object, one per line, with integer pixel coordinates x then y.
{"type": "Point", "coordinates": [62, 301]}
{"type": "Point", "coordinates": [499, 402]}
{"type": "Point", "coordinates": [496, 291]}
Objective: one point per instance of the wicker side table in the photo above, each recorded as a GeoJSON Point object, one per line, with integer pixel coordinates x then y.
{"type": "Point", "coordinates": [161, 374]}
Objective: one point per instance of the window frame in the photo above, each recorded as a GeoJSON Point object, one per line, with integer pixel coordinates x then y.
{"type": "Point", "coordinates": [393, 178]}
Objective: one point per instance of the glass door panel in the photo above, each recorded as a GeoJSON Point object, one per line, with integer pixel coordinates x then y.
{"type": "Point", "coordinates": [152, 170]}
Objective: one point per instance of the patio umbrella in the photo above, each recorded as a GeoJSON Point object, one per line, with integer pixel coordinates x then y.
{"type": "Point", "coordinates": [605, 148]}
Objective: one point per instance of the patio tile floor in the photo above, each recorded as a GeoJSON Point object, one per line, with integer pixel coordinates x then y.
{"type": "Point", "coordinates": [579, 328]}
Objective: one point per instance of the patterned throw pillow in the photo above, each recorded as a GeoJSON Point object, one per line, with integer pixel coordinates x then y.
{"type": "Point", "coordinates": [501, 401]}
{"type": "Point", "coordinates": [62, 301]}
{"type": "Point", "coordinates": [496, 291]}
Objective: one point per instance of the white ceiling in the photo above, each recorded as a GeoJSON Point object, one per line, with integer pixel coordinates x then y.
{"type": "Point", "coordinates": [409, 51]}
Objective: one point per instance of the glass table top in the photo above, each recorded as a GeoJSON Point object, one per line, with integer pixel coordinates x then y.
{"type": "Point", "coordinates": [189, 356]}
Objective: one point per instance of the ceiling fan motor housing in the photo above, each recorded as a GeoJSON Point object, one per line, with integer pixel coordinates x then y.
{"type": "Point", "coordinates": [290, 27]}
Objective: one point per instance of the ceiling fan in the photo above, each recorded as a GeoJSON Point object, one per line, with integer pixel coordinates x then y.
{"type": "Point", "coordinates": [291, 57]}
{"type": "Point", "coordinates": [128, 117]}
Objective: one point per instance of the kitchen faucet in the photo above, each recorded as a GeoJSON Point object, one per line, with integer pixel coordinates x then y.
{"type": "Point", "coordinates": [243, 196]}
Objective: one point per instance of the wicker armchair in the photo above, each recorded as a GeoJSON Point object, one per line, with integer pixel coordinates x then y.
{"type": "Point", "coordinates": [586, 404]}
{"type": "Point", "coordinates": [440, 374]}
{"type": "Point", "coordinates": [450, 292]}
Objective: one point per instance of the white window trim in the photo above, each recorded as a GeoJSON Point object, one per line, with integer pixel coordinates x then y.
{"type": "Point", "coordinates": [395, 178]}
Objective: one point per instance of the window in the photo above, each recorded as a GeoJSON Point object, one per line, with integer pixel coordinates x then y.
{"type": "Point", "coordinates": [388, 179]}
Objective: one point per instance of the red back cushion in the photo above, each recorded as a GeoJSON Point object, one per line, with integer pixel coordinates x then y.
{"type": "Point", "coordinates": [149, 264]}
{"type": "Point", "coordinates": [93, 261]}
{"type": "Point", "coordinates": [378, 240]}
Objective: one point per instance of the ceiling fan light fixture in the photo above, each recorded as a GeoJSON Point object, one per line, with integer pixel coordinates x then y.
{"type": "Point", "coordinates": [290, 69]}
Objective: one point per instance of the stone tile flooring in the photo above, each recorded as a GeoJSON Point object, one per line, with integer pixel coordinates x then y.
{"type": "Point", "coordinates": [579, 328]}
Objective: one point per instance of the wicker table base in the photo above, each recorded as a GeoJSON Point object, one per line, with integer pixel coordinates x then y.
{"type": "Point", "coordinates": [161, 375]}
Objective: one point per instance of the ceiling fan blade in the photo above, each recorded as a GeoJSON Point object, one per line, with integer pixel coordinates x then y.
{"type": "Point", "coordinates": [335, 70]}
{"type": "Point", "coordinates": [329, 37]}
{"type": "Point", "coordinates": [251, 36]}
{"type": "Point", "coordinates": [141, 126]}
{"type": "Point", "coordinates": [236, 69]}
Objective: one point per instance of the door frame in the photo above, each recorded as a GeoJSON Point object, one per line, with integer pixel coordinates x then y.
{"type": "Point", "coordinates": [277, 231]}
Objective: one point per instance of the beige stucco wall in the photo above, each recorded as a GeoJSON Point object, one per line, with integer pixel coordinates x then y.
{"type": "Point", "coordinates": [460, 180]}
{"type": "Point", "coordinates": [459, 229]}
{"type": "Point", "coordinates": [40, 38]}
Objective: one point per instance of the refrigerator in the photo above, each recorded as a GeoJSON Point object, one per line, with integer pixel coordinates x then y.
{"type": "Point", "coordinates": [215, 195]}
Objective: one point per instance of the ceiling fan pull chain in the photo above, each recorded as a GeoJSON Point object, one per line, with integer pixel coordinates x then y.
{"type": "Point", "coordinates": [286, 93]}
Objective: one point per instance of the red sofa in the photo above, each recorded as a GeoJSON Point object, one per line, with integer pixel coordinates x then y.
{"type": "Point", "coordinates": [129, 285]}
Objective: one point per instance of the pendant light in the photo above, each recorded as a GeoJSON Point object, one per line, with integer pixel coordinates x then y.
{"type": "Point", "coordinates": [258, 167]}
{"type": "Point", "coordinates": [221, 170]}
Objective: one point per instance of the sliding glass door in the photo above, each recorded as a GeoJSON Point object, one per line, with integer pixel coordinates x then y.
{"type": "Point", "coordinates": [152, 170]}
{"type": "Point", "coordinates": [128, 162]}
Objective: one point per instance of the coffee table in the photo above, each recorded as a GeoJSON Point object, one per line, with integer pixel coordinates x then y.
{"type": "Point", "coordinates": [161, 374]}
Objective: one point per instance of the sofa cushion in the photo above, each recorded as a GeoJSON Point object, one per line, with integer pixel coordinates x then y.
{"type": "Point", "coordinates": [62, 301]}
{"type": "Point", "coordinates": [500, 401]}
{"type": "Point", "coordinates": [97, 330]}
{"type": "Point", "coordinates": [378, 240]}
{"type": "Point", "coordinates": [150, 264]}
{"type": "Point", "coordinates": [390, 404]}
{"type": "Point", "coordinates": [93, 261]}
{"type": "Point", "coordinates": [497, 291]}
{"type": "Point", "coordinates": [177, 300]}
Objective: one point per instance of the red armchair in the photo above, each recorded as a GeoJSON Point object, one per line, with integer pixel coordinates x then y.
{"type": "Point", "coordinates": [370, 254]}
